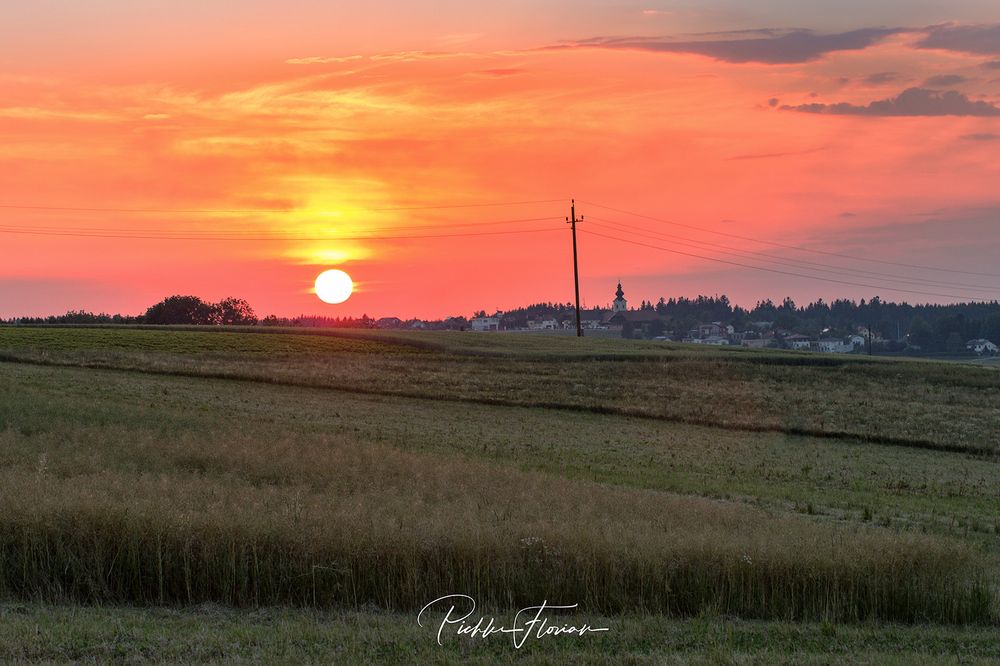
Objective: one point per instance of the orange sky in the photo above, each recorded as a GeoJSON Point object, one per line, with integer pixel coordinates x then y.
{"type": "Point", "coordinates": [311, 118]}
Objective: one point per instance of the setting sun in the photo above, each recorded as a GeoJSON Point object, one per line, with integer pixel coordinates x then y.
{"type": "Point", "coordinates": [334, 286]}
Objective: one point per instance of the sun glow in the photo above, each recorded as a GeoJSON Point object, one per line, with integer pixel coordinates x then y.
{"type": "Point", "coordinates": [334, 286]}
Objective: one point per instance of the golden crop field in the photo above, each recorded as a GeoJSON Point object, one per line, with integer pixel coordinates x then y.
{"type": "Point", "coordinates": [362, 474]}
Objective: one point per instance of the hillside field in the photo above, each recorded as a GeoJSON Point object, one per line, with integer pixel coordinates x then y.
{"type": "Point", "coordinates": [237, 495]}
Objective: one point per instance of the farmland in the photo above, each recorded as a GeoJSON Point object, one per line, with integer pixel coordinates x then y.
{"type": "Point", "coordinates": [351, 477]}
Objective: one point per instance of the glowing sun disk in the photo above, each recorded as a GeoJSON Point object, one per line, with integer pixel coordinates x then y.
{"type": "Point", "coordinates": [334, 286]}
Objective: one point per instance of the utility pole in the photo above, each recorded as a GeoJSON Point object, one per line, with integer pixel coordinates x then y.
{"type": "Point", "coordinates": [576, 271]}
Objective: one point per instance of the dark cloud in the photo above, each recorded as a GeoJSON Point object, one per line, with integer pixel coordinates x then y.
{"type": "Point", "coordinates": [991, 64]}
{"type": "Point", "coordinates": [981, 136]}
{"type": "Point", "coordinates": [943, 80]}
{"type": "Point", "coordinates": [980, 39]}
{"type": "Point", "coordinates": [774, 101]}
{"type": "Point", "coordinates": [911, 102]}
{"type": "Point", "coordinates": [879, 78]}
{"type": "Point", "coordinates": [772, 47]}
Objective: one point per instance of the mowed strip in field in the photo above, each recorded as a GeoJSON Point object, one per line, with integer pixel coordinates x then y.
{"type": "Point", "coordinates": [136, 487]}
{"type": "Point", "coordinates": [211, 634]}
{"type": "Point", "coordinates": [908, 403]}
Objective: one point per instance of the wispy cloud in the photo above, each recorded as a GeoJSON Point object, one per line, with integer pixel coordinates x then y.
{"type": "Point", "coordinates": [502, 71]}
{"type": "Point", "coordinates": [911, 102]}
{"type": "Point", "coordinates": [981, 136]}
{"type": "Point", "coordinates": [322, 60]}
{"type": "Point", "coordinates": [768, 156]}
{"type": "Point", "coordinates": [36, 113]}
{"type": "Point", "coordinates": [767, 46]}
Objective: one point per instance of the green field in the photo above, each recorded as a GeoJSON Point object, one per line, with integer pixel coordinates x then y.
{"type": "Point", "coordinates": [708, 504]}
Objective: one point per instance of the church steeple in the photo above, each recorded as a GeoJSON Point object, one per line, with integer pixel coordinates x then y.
{"type": "Point", "coordinates": [620, 304]}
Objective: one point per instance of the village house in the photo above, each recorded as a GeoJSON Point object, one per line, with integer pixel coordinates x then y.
{"type": "Point", "coordinates": [543, 324]}
{"type": "Point", "coordinates": [485, 323]}
{"type": "Point", "coordinates": [592, 319]}
{"type": "Point", "coordinates": [797, 341]}
{"type": "Point", "coordinates": [717, 340]}
{"type": "Point", "coordinates": [715, 333]}
{"type": "Point", "coordinates": [389, 322]}
{"type": "Point", "coordinates": [834, 346]}
{"type": "Point", "coordinates": [982, 347]}
{"type": "Point", "coordinates": [647, 322]}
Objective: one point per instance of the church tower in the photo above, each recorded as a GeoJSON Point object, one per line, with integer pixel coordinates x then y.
{"type": "Point", "coordinates": [619, 304]}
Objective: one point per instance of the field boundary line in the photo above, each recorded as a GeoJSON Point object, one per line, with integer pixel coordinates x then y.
{"type": "Point", "coordinates": [984, 451]}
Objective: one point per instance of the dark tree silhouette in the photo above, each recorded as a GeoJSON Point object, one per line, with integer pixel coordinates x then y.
{"type": "Point", "coordinates": [234, 311]}
{"type": "Point", "coordinates": [180, 310]}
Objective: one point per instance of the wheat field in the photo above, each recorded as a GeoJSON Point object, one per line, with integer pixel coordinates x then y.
{"type": "Point", "coordinates": [154, 482]}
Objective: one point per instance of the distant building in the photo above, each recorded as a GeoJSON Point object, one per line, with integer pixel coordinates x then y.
{"type": "Point", "coordinates": [834, 346]}
{"type": "Point", "coordinates": [796, 341]}
{"type": "Point", "coordinates": [389, 322]}
{"type": "Point", "coordinates": [592, 319]}
{"type": "Point", "coordinates": [717, 340]}
{"type": "Point", "coordinates": [713, 330]}
{"type": "Point", "coordinates": [982, 347]}
{"type": "Point", "coordinates": [543, 324]}
{"type": "Point", "coordinates": [485, 323]}
{"type": "Point", "coordinates": [619, 304]}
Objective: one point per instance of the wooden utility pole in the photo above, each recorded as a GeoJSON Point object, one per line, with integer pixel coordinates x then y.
{"type": "Point", "coordinates": [576, 271]}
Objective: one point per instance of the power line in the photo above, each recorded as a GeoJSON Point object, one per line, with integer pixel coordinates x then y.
{"type": "Point", "coordinates": [277, 234]}
{"type": "Point", "coordinates": [787, 246]}
{"type": "Point", "coordinates": [272, 238]}
{"type": "Point", "coordinates": [250, 211]}
{"type": "Point", "coordinates": [774, 270]}
{"type": "Point", "coordinates": [795, 263]}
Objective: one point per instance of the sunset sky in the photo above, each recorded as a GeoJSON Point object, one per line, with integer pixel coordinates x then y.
{"type": "Point", "coordinates": [215, 148]}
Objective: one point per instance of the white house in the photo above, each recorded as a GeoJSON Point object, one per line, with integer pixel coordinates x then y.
{"type": "Point", "coordinates": [543, 324]}
{"type": "Point", "coordinates": [834, 346]}
{"type": "Point", "coordinates": [982, 346]}
{"type": "Point", "coordinates": [797, 341]}
{"type": "Point", "coordinates": [485, 323]}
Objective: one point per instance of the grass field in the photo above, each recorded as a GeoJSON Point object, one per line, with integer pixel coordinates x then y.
{"type": "Point", "coordinates": [366, 470]}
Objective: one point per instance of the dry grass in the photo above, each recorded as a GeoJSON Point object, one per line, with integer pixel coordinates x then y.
{"type": "Point", "coordinates": [123, 514]}
{"type": "Point", "coordinates": [245, 506]}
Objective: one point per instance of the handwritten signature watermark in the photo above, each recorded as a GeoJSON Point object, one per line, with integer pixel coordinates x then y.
{"type": "Point", "coordinates": [531, 622]}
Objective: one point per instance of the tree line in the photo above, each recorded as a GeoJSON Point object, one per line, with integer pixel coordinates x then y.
{"type": "Point", "coordinates": [934, 328]}
{"type": "Point", "coordinates": [193, 311]}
